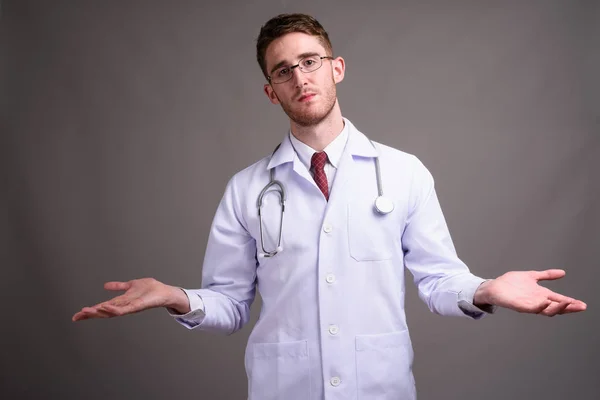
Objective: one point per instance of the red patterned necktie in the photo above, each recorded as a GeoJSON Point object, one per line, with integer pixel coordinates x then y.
{"type": "Point", "coordinates": [317, 163]}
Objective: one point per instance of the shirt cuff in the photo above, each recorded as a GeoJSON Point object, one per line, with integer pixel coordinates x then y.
{"type": "Point", "coordinates": [465, 303]}
{"type": "Point", "coordinates": [196, 315]}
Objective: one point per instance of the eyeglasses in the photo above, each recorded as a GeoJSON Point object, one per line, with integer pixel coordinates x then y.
{"type": "Point", "coordinates": [306, 65]}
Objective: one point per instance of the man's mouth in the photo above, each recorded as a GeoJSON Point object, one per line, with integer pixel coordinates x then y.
{"type": "Point", "coordinates": [306, 97]}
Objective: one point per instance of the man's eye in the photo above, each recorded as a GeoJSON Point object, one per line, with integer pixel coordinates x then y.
{"type": "Point", "coordinates": [283, 71]}
{"type": "Point", "coordinates": [308, 63]}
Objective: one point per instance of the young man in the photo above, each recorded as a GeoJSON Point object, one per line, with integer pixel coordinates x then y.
{"type": "Point", "coordinates": [331, 272]}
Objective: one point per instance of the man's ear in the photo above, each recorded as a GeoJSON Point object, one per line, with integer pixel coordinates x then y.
{"type": "Point", "coordinates": [339, 69]}
{"type": "Point", "coordinates": [271, 94]}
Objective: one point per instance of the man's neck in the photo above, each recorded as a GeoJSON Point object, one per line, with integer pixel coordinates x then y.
{"type": "Point", "coordinates": [320, 135]}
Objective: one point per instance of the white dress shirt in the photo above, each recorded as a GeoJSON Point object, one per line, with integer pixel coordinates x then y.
{"type": "Point", "coordinates": [334, 152]}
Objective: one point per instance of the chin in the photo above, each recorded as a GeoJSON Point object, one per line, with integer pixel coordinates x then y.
{"type": "Point", "coordinates": [310, 113]}
{"type": "Point", "coordinates": [308, 118]}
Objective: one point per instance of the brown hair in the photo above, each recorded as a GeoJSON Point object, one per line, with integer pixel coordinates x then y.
{"type": "Point", "coordinates": [283, 24]}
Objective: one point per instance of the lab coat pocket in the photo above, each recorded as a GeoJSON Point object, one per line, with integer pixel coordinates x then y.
{"type": "Point", "coordinates": [280, 371]}
{"type": "Point", "coordinates": [368, 238]}
{"type": "Point", "coordinates": [383, 366]}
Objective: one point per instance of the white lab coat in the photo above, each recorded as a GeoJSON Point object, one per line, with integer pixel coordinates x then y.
{"type": "Point", "coordinates": [332, 324]}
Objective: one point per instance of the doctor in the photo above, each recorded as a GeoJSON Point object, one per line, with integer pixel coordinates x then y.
{"type": "Point", "coordinates": [340, 217]}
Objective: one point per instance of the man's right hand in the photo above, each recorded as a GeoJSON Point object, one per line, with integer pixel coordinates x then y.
{"type": "Point", "coordinates": [140, 294]}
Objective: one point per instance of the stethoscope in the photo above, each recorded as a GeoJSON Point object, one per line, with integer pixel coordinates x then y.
{"type": "Point", "coordinates": [382, 205]}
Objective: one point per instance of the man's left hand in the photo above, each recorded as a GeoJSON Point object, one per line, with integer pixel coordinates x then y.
{"type": "Point", "coordinates": [520, 291]}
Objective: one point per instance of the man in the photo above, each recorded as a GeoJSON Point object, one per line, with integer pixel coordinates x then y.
{"type": "Point", "coordinates": [331, 272]}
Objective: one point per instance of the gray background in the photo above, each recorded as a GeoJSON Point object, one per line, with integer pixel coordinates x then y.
{"type": "Point", "coordinates": [122, 122]}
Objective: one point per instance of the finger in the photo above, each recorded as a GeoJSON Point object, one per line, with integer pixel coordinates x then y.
{"type": "Point", "coordinates": [549, 274]}
{"type": "Point", "coordinates": [559, 298]}
{"type": "Point", "coordinates": [116, 301]}
{"type": "Point", "coordinates": [553, 309]}
{"type": "Point", "coordinates": [85, 313]}
{"type": "Point", "coordinates": [89, 313]}
{"type": "Point", "coordinates": [118, 311]}
{"type": "Point", "coordinates": [559, 309]}
{"type": "Point", "coordinates": [78, 316]}
{"type": "Point", "coordinates": [117, 285]}
{"type": "Point", "coordinates": [537, 308]}
{"type": "Point", "coordinates": [579, 303]}
{"type": "Point", "coordinates": [101, 311]}
{"type": "Point", "coordinates": [576, 306]}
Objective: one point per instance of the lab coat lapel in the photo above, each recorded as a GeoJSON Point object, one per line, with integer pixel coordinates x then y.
{"type": "Point", "coordinates": [340, 189]}
{"type": "Point", "coordinates": [285, 153]}
{"type": "Point", "coordinates": [301, 170]}
{"type": "Point", "coordinates": [358, 145]}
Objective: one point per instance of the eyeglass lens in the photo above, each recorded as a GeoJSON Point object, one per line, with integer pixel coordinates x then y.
{"type": "Point", "coordinates": [307, 64]}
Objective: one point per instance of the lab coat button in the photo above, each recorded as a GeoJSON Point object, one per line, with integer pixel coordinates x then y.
{"type": "Point", "coordinates": [334, 329]}
{"type": "Point", "coordinates": [330, 278]}
{"type": "Point", "coordinates": [327, 228]}
{"type": "Point", "coordinates": [335, 381]}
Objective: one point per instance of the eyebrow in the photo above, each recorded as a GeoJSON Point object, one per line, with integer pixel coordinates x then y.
{"type": "Point", "coordinates": [282, 63]}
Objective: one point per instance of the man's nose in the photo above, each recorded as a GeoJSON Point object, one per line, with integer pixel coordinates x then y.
{"type": "Point", "coordinates": [298, 77]}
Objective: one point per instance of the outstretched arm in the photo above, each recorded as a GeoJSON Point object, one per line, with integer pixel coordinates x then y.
{"type": "Point", "coordinates": [520, 291]}
{"type": "Point", "coordinates": [228, 280]}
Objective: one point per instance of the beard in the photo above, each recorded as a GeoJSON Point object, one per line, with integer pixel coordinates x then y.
{"type": "Point", "coordinates": [315, 113]}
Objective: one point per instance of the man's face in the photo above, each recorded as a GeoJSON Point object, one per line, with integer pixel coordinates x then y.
{"type": "Point", "coordinates": [307, 98]}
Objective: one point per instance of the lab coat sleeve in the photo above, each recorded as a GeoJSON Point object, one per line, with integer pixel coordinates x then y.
{"type": "Point", "coordinates": [444, 282]}
{"type": "Point", "coordinates": [228, 274]}
{"type": "Point", "coordinates": [196, 314]}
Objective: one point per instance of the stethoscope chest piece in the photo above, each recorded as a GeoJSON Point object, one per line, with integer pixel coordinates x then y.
{"type": "Point", "coordinates": [383, 205]}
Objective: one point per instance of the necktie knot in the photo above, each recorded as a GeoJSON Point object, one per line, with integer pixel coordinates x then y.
{"type": "Point", "coordinates": [317, 164]}
{"type": "Point", "coordinates": [318, 160]}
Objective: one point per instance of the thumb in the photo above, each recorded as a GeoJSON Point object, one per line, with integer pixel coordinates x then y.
{"type": "Point", "coordinates": [549, 274]}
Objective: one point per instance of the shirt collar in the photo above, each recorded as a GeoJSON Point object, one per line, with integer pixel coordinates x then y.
{"type": "Point", "coordinates": [334, 149]}
{"type": "Point", "coordinates": [357, 145]}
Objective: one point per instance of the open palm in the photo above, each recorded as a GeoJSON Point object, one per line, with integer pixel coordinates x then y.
{"type": "Point", "coordinates": [520, 291]}
{"type": "Point", "coordinates": [140, 294]}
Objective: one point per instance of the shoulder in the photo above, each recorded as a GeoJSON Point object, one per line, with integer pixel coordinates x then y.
{"type": "Point", "coordinates": [259, 166]}
{"type": "Point", "coordinates": [419, 179]}
{"type": "Point", "coordinates": [387, 154]}
{"type": "Point", "coordinates": [255, 172]}
{"type": "Point", "coordinates": [399, 158]}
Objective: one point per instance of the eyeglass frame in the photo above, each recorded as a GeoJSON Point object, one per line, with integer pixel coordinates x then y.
{"type": "Point", "coordinates": [291, 67]}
